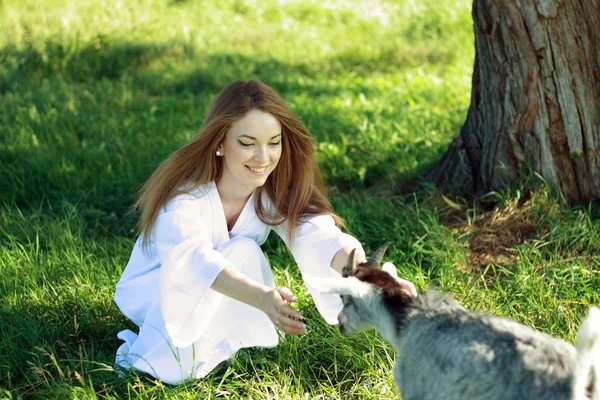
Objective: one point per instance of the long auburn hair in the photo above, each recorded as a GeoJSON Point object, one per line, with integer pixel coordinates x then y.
{"type": "Point", "coordinates": [295, 187]}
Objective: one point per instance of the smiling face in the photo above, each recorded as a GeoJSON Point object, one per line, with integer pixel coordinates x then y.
{"type": "Point", "coordinates": [251, 150]}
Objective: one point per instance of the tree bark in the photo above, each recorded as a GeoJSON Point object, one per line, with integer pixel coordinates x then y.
{"type": "Point", "coordinates": [535, 100]}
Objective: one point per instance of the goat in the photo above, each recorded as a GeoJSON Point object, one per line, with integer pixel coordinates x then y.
{"type": "Point", "coordinates": [586, 378]}
{"type": "Point", "coordinates": [447, 352]}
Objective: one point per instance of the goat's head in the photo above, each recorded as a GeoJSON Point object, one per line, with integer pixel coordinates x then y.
{"type": "Point", "coordinates": [364, 289]}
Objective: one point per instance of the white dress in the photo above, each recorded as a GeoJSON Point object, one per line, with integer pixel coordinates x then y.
{"type": "Point", "coordinates": [185, 328]}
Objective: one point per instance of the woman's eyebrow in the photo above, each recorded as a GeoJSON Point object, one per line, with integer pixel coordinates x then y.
{"type": "Point", "coordinates": [253, 138]}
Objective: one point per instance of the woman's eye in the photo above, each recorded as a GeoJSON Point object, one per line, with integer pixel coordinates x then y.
{"type": "Point", "coordinates": [275, 143]}
{"type": "Point", "coordinates": [245, 144]}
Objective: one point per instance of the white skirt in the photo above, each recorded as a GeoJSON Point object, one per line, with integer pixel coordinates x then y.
{"type": "Point", "coordinates": [230, 324]}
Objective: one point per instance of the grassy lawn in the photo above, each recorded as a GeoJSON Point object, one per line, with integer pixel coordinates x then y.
{"type": "Point", "coordinates": [93, 94]}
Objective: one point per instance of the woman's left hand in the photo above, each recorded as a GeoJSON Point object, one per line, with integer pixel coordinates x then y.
{"type": "Point", "coordinates": [407, 287]}
{"type": "Point", "coordinates": [284, 317]}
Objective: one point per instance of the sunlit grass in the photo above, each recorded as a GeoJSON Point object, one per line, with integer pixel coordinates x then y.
{"type": "Point", "coordinates": [94, 94]}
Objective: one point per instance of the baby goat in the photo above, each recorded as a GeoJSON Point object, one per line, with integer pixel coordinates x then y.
{"type": "Point", "coordinates": [447, 352]}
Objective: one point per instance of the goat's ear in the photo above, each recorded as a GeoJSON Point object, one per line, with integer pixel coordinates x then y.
{"type": "Point", "coordinates": [588, 352]}
{"type": "Point", "coordinates": [589, 331]}
{"type": "Point", "coordinates": [591, 388]}
{"type": "Point", "coordinates": [390, 269]}
{"type": "Point", "coordinates": [350, 265]}
{"type": "Point", "coordinates": [594, 315]}
{"type": "Point", "coordinates": [342, 286]}
{"type": "Point", "coordinates": [377, 256]}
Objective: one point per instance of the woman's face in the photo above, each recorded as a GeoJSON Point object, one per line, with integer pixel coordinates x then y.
{"type": "Point", "coordinates": [251, 150]}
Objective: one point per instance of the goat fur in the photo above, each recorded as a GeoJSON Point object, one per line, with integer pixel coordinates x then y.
{"type": "Point", "coordinates": [448, 352]}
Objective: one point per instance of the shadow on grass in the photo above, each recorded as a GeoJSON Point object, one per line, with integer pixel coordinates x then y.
{"type": "Point", "coordinates": [87, 125]}
{"type": "Point", "coordinates": [42, 345]}
{"type": "Point", "coordinates": [45, 349]}
{"type": "Point", "coordinates": [108, 58]}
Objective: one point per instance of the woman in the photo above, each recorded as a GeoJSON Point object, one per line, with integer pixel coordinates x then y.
{"type": "Point", "coordinates": [197, 283]}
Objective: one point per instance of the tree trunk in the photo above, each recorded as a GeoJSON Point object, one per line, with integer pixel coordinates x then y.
{"type": "Point", "coordinates": [535, 100]}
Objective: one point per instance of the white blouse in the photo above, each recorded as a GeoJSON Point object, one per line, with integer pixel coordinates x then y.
{"type": "Point", "coordinates": [183, 261]}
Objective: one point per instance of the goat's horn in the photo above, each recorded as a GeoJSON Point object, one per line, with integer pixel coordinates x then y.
{"type": "Point", "coordinates": [377, 255]}
{"type": "Point", "coordinates": [350, 265]}
{"type": "Point", "coordinates": [352, 260]}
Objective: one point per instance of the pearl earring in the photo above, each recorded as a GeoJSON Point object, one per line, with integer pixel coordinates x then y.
{"type": "Point", "coordinates": [218, 153]}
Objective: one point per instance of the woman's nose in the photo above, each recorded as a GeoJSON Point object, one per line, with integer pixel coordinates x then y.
{"type": "Point", "coordinates": [261, 153]}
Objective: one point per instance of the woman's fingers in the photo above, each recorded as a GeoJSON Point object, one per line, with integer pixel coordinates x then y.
{"type": "Point", "coordinates": [408, 287]}
{"type": "Point", "coordinates": [282, 307]}
{"type": "Point", "coordinates": [286, 323]}
{"type": "Point", "coordinates": [290, 326]}
{"type": "Point", "coordinates": [286, 294]}
{"type": "Point", "coordinates": [287, 310]}
{"type": "Point", "coordinates": [284, 316]}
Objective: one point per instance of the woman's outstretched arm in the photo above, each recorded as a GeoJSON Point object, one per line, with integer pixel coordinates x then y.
{"type": "Point", "coordinates": [272, 301]}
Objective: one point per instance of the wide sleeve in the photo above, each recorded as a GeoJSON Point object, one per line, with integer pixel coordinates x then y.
{"type": "Point", "coordinates": [315, 243]}
{"type": "Point", "coordinates": [182, 238]}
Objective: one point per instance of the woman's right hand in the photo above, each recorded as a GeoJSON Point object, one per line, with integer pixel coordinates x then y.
{"type": "Point", "coordinates": [284, 317]}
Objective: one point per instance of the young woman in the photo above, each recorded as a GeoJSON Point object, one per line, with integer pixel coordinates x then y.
{"type": "Point", "coordinates": [197, 283]}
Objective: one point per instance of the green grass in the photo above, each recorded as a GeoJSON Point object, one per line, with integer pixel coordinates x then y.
{"type": "Point", "coordinates": [94, 94]}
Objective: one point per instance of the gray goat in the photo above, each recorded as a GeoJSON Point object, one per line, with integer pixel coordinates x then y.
{"type": "Point", "coordinates": [446, 352]}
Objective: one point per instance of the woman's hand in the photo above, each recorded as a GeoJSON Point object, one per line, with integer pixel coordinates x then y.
{"type": "Point", "coordinates": [284, 317]}
{"type": "Point", "coordinates": [408, 287]}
